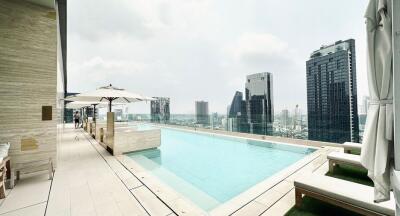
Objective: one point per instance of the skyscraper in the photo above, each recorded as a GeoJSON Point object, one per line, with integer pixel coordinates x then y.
{"type": "Point", "coordinates": [201, 110]}
{"type": "Point", "coordinates": [259, 103]}
{"type": "Point", "coordinates": [285, 119]}
{"type": "Point", "coordinates": [237, 115]}
{"type": "Point", "coordinates": [332, 93]}
{"type": "Point", "coordinates": [159, 110]}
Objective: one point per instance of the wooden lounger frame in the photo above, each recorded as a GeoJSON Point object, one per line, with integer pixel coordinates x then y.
{"type": "Point", "coordinates": [299, 198]}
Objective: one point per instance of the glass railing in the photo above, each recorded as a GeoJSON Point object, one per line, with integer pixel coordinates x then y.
{"type": "Point", "coordinates": [281, 126]}
{"type": "Point", "coordinates": [257, 125]}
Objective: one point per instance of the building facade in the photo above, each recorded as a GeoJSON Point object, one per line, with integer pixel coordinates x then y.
{"type": "Point", "coordinates": [201, 110]}
{"type": "Point", "coordinates": [159, 110]}
{"type": "Point", "coordinates": [237, 114]}
{"type": "Point", "coordinates": [32, 78]}
{"type": "Point", "coordinates": [332, 93]}
{"type": "Point", "coordinates": [259, 103]}
{"type": "Point", "coordinates": [285, 118]}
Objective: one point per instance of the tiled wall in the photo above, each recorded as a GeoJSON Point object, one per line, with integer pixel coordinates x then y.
{"type": "Point", "coordinates": [28, 78]}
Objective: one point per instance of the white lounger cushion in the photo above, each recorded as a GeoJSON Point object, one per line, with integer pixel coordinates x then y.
{"type": "Point", "coordinates": [347, 158]}
{"type": "Point", "coordinates": [352, 146]}
{"type": "Point", "coordinates": [349, 192]}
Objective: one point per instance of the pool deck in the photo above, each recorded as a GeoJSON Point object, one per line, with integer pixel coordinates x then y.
{"type": "Point", "coordinates": [89, 181]}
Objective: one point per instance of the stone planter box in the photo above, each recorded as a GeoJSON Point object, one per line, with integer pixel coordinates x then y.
{"type": "Point", "coordinates": [129, 140]}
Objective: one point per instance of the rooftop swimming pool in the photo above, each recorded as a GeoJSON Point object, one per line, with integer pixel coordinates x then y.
{"type": "Point", "coordinates": [212, 169]}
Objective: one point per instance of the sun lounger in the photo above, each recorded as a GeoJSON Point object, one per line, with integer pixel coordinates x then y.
{"type": "Point", "coordinates": [352, 196]}
{"type": "Point", "coordinates": [351, 146]}
{"type": "Point", "coordinates": [337, 158]}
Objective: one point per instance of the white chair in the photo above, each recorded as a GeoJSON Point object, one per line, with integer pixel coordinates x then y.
{"type": "Point", "coordinates": [352, 196]}
{"type": "Point", "coordinates": [336, 158]}
{"type": "Point", "coordinates": [351, 146]}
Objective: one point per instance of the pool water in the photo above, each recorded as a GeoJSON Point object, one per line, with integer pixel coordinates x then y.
{"type": "Point", "coordinates": [211, 169]}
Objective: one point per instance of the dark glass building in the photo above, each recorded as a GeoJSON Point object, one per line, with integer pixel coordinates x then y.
{"type": "Point", "coordinates": [237, 115]}
{"type": "Point", "coordinates": [201, 110]}
{"type": "Point", "coordinates": [259, 103]}
{"type": "Point", "coordinates": [159, 110]}
{"type": "Point", "coordinates": [332, 93]}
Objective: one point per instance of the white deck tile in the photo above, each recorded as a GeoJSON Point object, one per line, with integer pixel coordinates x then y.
{"type": "Point", "coordinates": [35, 210]}
{"type": "Point", "coordinates": [86, 184]}
{"type": "Point", "coordinates": [269, 197]}
{"type": "Point", "coordinates": [150, 202]}
{"type": "Point", "coordinates": [27, 192]}
{"type": "Point", "coordinates": [253, 208]}
{"type": "Point", "coordinates": [282, 206]}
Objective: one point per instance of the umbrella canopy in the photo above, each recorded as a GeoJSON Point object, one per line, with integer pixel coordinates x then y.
{"type": "Point", "coordinates": [110, 94]}
{"type": "Point", "coordinates": [82, 104]}
{"type": "Point", "coordinates": [78, 104]}
{"type": "Point", "coordinates": [377, 148]}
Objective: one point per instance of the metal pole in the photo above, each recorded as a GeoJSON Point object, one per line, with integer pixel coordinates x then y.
{"type": "Point", "coordinates": [94, 112]}
{"type": "Point", "coordinates": [109, 105]}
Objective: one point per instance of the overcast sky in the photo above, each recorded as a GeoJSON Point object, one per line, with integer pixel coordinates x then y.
{"type": "Point", "coordinates": [203, 49]}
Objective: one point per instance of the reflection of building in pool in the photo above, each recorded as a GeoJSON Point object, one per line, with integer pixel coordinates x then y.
{"type": "Point", "coordinates": [159, 110]}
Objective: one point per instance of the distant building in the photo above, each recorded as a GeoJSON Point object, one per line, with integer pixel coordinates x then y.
{"type": "Point", "coordinates": [259, 103]}
{"type": "Point", "coordinates": [201, 110]}
{"type": "Point", "coordinates": [297, 120]}
{"type": "Point", "coordinates": [285, 118]}
{"type": "Point", "coordinates": [215, 121]}
{"type": "Point", "coordinates": [365, 105]}
{"type": "Point", "coordinates": [160, 110]}
{"type": "Point", "coordinates": [237, 115]}
{"type": "Point", "coordinates": [118, 114]}
{"type": "Point", "coordinates": [69, 113]}
{"type": "Point", "coordinates": [332, 93]}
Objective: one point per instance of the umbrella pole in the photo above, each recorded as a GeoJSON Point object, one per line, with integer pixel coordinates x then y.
{"type": "Point", "coordinates": [94, 112]}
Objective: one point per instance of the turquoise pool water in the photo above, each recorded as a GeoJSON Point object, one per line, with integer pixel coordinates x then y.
{"type": "Point", "coordinates": [210, 169]}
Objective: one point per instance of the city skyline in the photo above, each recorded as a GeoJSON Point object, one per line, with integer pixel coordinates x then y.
{"type": "Point", "coordinates": [212, 48]}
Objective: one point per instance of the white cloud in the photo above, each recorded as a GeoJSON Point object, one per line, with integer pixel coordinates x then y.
{"type": "Point", "coordinates": [202, 49]}
{"type": "Point", "coordinates": [261, 49]}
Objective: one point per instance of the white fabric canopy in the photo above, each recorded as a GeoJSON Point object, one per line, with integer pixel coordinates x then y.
{"type": "Point", "coordinates": [81, 104]}
{"type": "Point", "coordinates": [377, 146]}
{"type": "Point", "coordinates": [110, 94]}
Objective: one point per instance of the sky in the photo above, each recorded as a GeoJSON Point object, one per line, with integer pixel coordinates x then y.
{"type": "Point", "coordinates": [192, 50]}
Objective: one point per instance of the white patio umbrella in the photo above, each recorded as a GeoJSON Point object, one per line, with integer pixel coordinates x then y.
{"type": "Point", "coordinates": [377, 148]}
{"type": "Point", "coordinates": [81, 104]}
{"type": "Point", "coordinates": [109, 94]}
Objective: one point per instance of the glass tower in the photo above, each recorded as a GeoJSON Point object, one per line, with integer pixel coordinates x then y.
{"type": "Point", "coordinates": [237, 115]}
{"type": "Point", "coordinates": [332, 93]}
{"type": "Point", "coordinates": [159, 110]}
{"type": "Point", "coordinates": [201, 110]}
{"type": "Point", "coordinates": [259, 103]}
